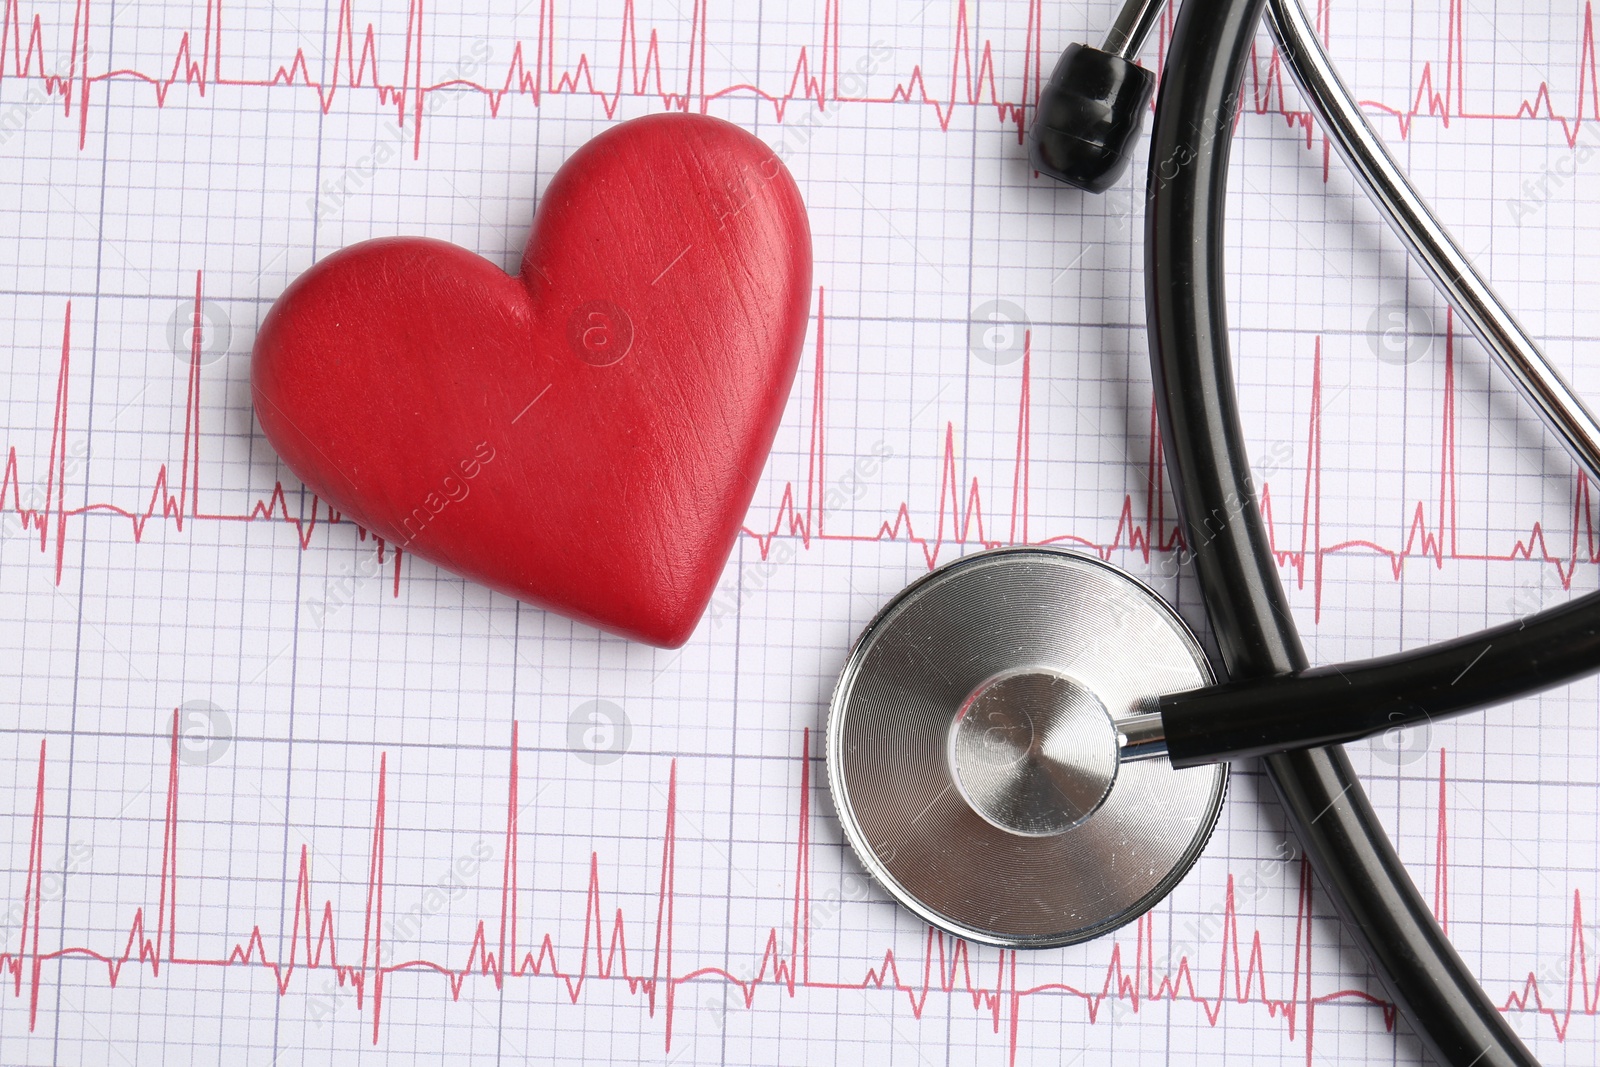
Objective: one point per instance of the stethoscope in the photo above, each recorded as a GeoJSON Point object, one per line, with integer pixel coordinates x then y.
{"type": "Point", "coordinates": [1029, 748]}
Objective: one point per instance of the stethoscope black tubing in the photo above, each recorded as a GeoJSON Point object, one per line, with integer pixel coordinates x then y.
{"type": "Point", "coordinates": [1349, 701]}
{"type": "Point", "coordinates": [1186, 302]}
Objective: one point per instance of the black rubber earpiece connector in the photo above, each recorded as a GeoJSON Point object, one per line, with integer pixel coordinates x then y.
{"type": "Point", "coordinates": [1088, 118]}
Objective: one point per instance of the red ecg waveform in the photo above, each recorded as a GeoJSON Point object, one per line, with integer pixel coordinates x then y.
{"type": "Point", "coordinates": [502, 948]}
{"type": "Point", "coordinates": [45, 510]}
{"type": "Point", "coordinates": [817, 76]}
{"type": "Point", "coordinates": [1144, 526]}
{"type": "Point", "coordinates": [960, 519]}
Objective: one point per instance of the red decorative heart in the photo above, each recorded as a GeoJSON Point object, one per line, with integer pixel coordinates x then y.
{"type": "Point", "coordinates": [586, 435]}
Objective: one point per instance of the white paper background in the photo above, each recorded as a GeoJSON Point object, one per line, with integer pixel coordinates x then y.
{"type": "Point", "coordinates": [147, 149]}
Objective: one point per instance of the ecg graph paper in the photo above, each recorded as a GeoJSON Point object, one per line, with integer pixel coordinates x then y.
{"type": "Point", "coordinates": [273, 793]}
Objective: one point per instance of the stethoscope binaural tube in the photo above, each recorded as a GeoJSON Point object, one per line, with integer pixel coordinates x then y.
{"type": "Point", "coordinates": [1186, 302]}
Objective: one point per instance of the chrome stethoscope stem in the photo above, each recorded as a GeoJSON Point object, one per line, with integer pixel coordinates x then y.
{"type": "Point", "coordinates": [1429, 242]}
{"type": "Point", "coordinates": [1408, 214]}
{"type": "Point", "coordinates": [1134, 23]}
{"type": "Point", "coordinates": [1141, 737]}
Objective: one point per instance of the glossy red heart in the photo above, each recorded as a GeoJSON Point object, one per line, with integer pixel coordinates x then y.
{"type": "Point", "coordinates": [585, 435]}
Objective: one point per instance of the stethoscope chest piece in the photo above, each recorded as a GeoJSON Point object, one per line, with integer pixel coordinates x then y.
{"type": "Point", "coordinates": [974, 741]}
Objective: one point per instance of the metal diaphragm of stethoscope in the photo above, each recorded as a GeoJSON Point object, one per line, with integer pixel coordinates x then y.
{"type": "Point", "coordinates": [1028, 748]}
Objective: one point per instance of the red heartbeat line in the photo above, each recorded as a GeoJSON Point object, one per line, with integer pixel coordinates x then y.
{"type": "Point", "coordinates": [534, 72]}
{"type": "Point", "coordinates": [1145, 529]}
{"type": "Point", "coordinates": [960, 521]}
{"type": "Point", "coordinates": [817, 76]}
{"type": "Point", "coordinates": [47, 512]}
{"type": "Point", "coordinates": [501, 950]}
